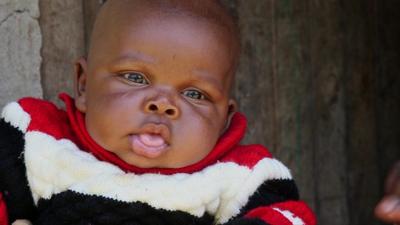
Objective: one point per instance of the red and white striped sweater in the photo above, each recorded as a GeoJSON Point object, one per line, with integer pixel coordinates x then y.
{"type": "Point", "coordinates": [52, 172]}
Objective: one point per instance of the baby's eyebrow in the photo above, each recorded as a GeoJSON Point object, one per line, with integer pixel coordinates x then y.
{"type": "Point", "coordinates": [135, 56]}
{"type": "Point", "coordinates": [208, 78]}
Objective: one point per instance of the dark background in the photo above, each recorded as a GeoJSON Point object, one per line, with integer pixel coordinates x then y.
{"type": "Point", "coordinates": [319, 82]}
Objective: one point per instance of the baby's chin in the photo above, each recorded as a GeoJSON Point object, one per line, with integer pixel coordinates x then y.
{"type": "Point", "coordinates": [133, 159]}
{"type": "Point", "coordinates": [164, 161]}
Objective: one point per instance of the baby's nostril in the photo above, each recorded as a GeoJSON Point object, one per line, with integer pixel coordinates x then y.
{"type": "Point", "coordinates": [153, 107]}
{"type": "Point", "coordinates": [170, 112]}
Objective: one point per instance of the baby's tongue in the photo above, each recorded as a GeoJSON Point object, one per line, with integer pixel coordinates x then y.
{"type": "Point", "coordinates": [151, 140]}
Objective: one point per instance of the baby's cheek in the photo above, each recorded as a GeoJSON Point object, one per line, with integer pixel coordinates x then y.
{"type": "Point", "coordinates": [206, 134]}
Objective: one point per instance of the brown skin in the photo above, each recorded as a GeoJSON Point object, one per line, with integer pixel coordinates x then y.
{"type": "Point", "coordinates": [156, 73]}
{"type": "Point", "coordinates": [388, 209]}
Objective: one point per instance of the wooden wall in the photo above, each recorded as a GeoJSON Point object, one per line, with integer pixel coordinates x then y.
{"type": "Point", "coordinates": [318, 81]}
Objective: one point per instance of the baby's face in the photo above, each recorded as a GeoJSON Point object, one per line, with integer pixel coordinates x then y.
{"type": "Point", "coordinates": [156, 91]}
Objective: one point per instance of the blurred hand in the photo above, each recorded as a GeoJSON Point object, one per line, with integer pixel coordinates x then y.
{"type": "Point", "coordinates": [388, 209]}
{"type": "Point", "coordinates": [22, 222]}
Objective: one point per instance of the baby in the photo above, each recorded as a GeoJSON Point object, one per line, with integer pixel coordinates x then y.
{"type": "Point", "coordinates": [151, 136]}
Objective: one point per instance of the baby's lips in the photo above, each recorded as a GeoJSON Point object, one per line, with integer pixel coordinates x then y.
{"type": "Point", "coordinates": [152, 140]}
{"type": "Point", "coordinates": [156, 129]}
{"type": "Point", "coordinates": [148, 145]}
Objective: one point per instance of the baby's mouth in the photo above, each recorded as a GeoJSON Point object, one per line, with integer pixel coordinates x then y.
{"type": "Point", "coordinates": [148, 145]}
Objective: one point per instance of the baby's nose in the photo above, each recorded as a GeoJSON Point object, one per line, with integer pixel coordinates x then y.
{"type": "Point", "coordinates": [162, 107]}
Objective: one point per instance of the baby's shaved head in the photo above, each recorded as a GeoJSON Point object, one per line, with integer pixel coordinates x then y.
{"type": "Point", "coordinates": [168, 62]}
{"type": "Point", "coordinates": [127, 12]}
{"type": "Point", "coordinates": [203, 9]}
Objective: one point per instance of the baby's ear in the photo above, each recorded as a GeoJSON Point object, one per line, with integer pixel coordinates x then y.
{"type": "Point", "coordinates": [232, 108]}
{"type": "Point", "coordinates": [80, 78]}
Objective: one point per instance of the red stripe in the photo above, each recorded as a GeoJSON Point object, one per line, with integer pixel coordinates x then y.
{"type": "Point", "coordinates": [47, 118]}
{"type": "Point", "coordinates": [273, 217]}
{"type": "Point", "coordinates": [268, 215]}
{"type": "Point", "coordinates": [299, 209]}
{"type": "Point", "coordinates": [248, 155]}
{"type": "Point", "coordinates": [3, 211]}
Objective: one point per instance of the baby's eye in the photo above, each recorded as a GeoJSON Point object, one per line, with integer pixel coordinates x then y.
{"type": "Point", "coordinates": [135, 77]}
{"type": "Point", "coordinates": [195, 94]}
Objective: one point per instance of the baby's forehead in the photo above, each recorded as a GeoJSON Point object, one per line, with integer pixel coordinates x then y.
{"type": "Point", "coordinates": [115, 15]}
{"type": "Point", "coordinates": [129, 12]}
{"type": "Point", "coordinates": [205, 17]}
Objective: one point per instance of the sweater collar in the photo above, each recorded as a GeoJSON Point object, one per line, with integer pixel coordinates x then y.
{"type": "Point", "coordinates": [226, 142]}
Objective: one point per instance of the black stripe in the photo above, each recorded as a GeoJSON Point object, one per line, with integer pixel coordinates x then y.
{"type": "Point", "coordinates": [246, 221]}
{"type": "Point", "coordinates": [69, 208]}
{"type": "Point", "coordinates": [270, 192]}
{"type": "Point", "coordinates": [13, 181]}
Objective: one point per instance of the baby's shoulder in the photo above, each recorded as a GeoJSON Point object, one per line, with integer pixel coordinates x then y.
{"type": "Point", "coordinates": [247, 155]}
{"type": "Point", "coordinates": [34, 106]}
{"type": "Point", "coordinates": [258, 161]}
{"type": "Point", "coordinates": [31, 114]}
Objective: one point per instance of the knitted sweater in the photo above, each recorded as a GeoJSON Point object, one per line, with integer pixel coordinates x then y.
{"type": "Point", "coordinates": [53, 173]}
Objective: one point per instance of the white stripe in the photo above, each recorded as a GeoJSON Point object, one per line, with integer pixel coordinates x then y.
{"type": "Point", "coordinates": [266, 169]}
{"type": "Point", "coordinates": [290, 216]}
{"type": "Point", "coordinates": [16, 116]}
{"type": "Point", "coordinates": [54, 166]}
